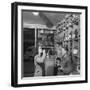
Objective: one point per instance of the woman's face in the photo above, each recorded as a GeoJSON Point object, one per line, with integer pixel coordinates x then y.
{"type": "Point", "coordinates": [57, 62]}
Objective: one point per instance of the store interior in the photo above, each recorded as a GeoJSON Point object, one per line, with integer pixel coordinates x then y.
{"type": "Point", "coordinates": [48, 29]}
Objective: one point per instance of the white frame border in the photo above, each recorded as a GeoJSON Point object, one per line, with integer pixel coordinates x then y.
{"type": "Point", "coordinates": [33, 80]}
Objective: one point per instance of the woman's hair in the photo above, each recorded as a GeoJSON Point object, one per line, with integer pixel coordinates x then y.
{"type": "Point", "coordinates": [41, 54]}
{"type": "Point", "coordinates": [59, 59]}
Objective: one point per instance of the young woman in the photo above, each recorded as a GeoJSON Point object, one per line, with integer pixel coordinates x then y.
{"type": "Point", "coordinates": [39, 62]}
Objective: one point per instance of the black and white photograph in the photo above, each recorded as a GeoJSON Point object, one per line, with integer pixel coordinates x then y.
{"type": "Point", "coordinates": [50, 44]}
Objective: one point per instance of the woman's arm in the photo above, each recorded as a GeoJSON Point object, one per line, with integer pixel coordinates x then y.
{"type": "Point", "coordinates": [44, 55]}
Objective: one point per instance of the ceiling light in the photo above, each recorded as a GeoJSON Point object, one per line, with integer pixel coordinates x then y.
{"type": "Point", "coordinates": [35, 13]}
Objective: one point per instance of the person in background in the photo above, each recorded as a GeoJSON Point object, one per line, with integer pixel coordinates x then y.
{"type": "Point", "coordinates": [63, 62]}
{"type": "Point", "coordinates": [39, 62]}
{"type": "Point", "coordinates": [65, 65]}
{"type": "Point", "coordinates": [60, 51]}
{"type": "Point", "coordinates": [57, 68]}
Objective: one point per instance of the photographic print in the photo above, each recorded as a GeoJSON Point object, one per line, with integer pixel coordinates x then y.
{"type": "Point", "coordinates": [50, 50]}
{"type": "Point", "coordinates": [50, 43]}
